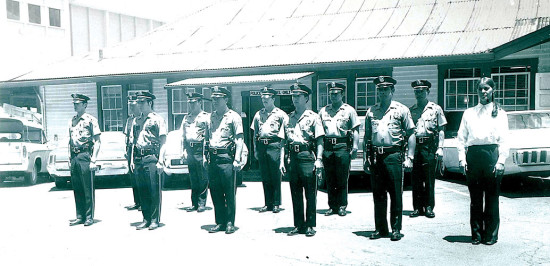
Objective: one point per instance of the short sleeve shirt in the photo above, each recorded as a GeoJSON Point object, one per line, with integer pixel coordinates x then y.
{"type": "Point", "coordinates": [389, 127]}
{"type": "Point", "coordinates": [194, 129]}
{"type": "Point", "coordinates": [224, 128]}
{"type": "Point", "coordinates": [128, 129]}
{"type": "Point", "coordinates": [304, 129]}
{"type": "Point", "coordinates": [429, 120]}
{"type": "Point", "coordinates": [339, 123]}
{"type": "Point", "coordinates": [269, 124]}
{"type": "Point", "coordinates": [84, 129]}
{"type": "Point", "coordinates": [152, 128]}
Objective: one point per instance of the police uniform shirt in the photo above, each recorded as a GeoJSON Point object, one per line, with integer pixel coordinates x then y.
{"type": "Point", "coordinates": [478, 127]}
{"type": "Point", "coordinates": [224, 128]}
{"type": "Point", "coordinates": [389, 128]}
{"type": "Point", "coordinates": [268, 125]}
{"type": "Point", "coordinates": [304, 129]}
{"type": "Point", "coordinates": [339, 123]}
{"type": "Point", "coordinates": [429, 120]}
{"type": "Point", "coordinates": [128, 128]}
{"type": "Point", "coordinates": [153, 127]}
{"type": "Point", "coordinates": [195, 130]}
{"type": "Point", "coordinates": [85, 129]}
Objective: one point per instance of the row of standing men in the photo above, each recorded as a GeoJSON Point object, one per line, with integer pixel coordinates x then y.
{"type": "Point", "coordinates": [304, 145]}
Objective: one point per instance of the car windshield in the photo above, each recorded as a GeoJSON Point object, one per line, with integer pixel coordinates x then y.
{"type": "Point", "coordinates": [528, 121]}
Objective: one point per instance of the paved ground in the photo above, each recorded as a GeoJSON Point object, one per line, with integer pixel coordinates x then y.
{"type": "Point", "coordinates": [34, 231]}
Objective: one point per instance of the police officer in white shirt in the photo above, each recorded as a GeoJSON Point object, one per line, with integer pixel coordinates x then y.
{"type": "Point", "coordinates": [482, 151]}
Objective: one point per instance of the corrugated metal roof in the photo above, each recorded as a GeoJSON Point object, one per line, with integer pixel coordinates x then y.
{"type": "Point", "coordinates": [231, 34]}
{"type": "Point", "coordinates": [240, 79]}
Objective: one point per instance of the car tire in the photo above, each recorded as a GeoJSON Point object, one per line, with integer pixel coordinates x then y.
{"type": "Point", "coordinates": [32, 177]}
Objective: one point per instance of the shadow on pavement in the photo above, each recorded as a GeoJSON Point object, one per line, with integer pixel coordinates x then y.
{"type": "Point", "coordinates": [458, 239]}
{"type": "Point", "coordinates": [283, 230]}
{"type": "Point", "coordinates": [364, 233]}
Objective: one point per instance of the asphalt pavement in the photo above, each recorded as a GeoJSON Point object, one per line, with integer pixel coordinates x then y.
{"type": "Point", "coordinates": [34, 230]}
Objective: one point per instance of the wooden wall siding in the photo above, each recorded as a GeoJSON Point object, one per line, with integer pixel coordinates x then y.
{"type": "Point", "coordinates": [541, 51]}
{"type": "Point", "coordinates": [161, 103]}
{"type": "Point", "coordinates": [59, 106]}
{"type": "Point", "coordinates": [405, 75]}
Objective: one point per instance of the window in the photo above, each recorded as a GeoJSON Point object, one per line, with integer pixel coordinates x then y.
{"type": "Point", "coordinates": [180, 107]}
{"type": "Point", "coordinates": [12, 8]}
{"type": "Point", "coordinates": [461, 88]}
{"type": "Point", "coordinates": [111, 105]}
{"type": "Point", "coordinates": [55, 17]}
{"type": "Point", "coordinates": [322, 91]}
{"type": "Point", "coordinates": [365, 94]}
{"type": "Point", "coordinates": [512, 87]}
{"type": "Point", "coordinates": [34, 14]}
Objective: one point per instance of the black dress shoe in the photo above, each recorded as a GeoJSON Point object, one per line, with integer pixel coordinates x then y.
{"type": "Point", "coordinates": [429, 212]}
{"type": "Point", "coordinates": [414, 214]}
{"type": "Point", "coordinates": [265, 209]}
{"type": "Point", "coordinates": [378, 235]}
{"type": "Point", "coordinates": [476, 241]}
{"type": "Point", "coordinates": [276, 209]}
{"type": "Point", "coordinates": [153, 226]}
{"type": "Point", "coordinates": [230, 229]}
{"type": "Point", "coordinates": [76, 222]}
{"type": "Point", "coordinates": [191, 209]}
{"type": "Point", "coordinates": [216, 228]}
{"type": "Point", "coordinates": [310, 231]}
{"type": "Point", "coordinates": [294, 231]}
{"type": "Point", "coordinates": [342, 211]}
{"type": "Point", "coordinates": [132, 207]}
{"type": "Point", "coordinates": [201, 209]}
{"type": "Point", "coordinates": [89, 222]}
{"type": "Point", "coordinates": [490, 242]}
{"type": "Point", "coordinates": [143, 225]}
{"type": "Point", "coordinates": [330, 212]}
{"type": "Point", "coordinates": [396, 235]}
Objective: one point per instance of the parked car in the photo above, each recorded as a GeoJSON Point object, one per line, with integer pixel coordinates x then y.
{"type": "Point", "coordinates": [173, 153]}
{"type": "Point", "coordinates": [24, 149]}
{"type": "Point", "coordinates": [356, 167]}
{"type": "Point", "coordinates": [529, 145]}
{"type": "Point", "coordinates": [111, 160]}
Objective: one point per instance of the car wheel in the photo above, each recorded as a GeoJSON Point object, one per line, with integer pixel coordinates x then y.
{"type": "Point", "coordinates": [32, 177]}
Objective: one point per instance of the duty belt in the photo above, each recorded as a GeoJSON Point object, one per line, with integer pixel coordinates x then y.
{"type": "Point", "coordinates": [385, 150]}
{"type": "Point", "coordinates": [331, 142]}
{"type": "Point", "coordinates": [424, 140]}
{"type": "Point", "coordinates": [298, 147]}
{"type": "Point", "coordinates": [144, 152]}
{"type": "Point", "coordinates": [194, 144]}
{"type": "Point", "coordinates": [77, 150]}
{"type": "Point", "coordinates": [267, 141]}
{"type": "Point", "coordinates": [217, 151]}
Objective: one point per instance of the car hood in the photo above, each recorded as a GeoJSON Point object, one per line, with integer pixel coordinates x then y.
{"type": "Point", "coordinates": [529, 138]}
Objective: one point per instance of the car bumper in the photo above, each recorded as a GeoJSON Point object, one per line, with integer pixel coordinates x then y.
{"type": "Point", "coordinates": [13, 168]}
{"type": "Point", "coordinates": [179, 169]}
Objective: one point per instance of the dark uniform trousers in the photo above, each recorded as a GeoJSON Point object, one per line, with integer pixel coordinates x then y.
{"type": "Point", "coordinates": [269, 157]}
{"type": "Point", "coordinates": [82, 180]}
{"type": "Point", "coordinates": [149, 186]}
{"type": "Point", "coordinates": [482, 181]}
{"type": "Point", "coordinates": [423, 176]}
{"type": "Point", "coordinates": [337, 162]}
{"type": "Point", "coordinates": [198, 175]}
{"type": "Point", "coordinates": [302, 178]}
{"type": "Point", "coordinates": [222, 187]}
{"type": "Point", "coordinates": [133, 182]}
{"type": "Point", "coordinates": [387, 179]}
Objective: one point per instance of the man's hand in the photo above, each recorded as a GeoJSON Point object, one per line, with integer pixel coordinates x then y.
{"type": "Point", "coordinates": [439, 153]}
{"type": "Point", "coordinates": [353, 153]}
{"type": "Point", "coordinates": [236, 165]}
{"type": "Point", "coordinates": [204, 161]}
{"type": "Point", "coordinates": [132, 166]}
{"type": "Point", "coordinates": [282, 168]}
{"type": "Point", "coordinates": [93, 167]}
{"type": "Point", "coordinates": [159, 167]}
{"type": "Point", "coordinates": [499, 169]}
{"type": "Point", "coordinates": [408, 164]}
{"type": "Point", "coordinates": [318, 164]}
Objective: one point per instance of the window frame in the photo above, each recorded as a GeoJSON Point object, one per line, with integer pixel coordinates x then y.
{"type": "Point", "coordinates": [503, 99]}
{"type": "Point", "coordinates": [206, 105]}
{"type": "Point", "coordinates": [117, 110]}
{"type": "Point", "coordinates": [58, 18]}
{"type": "Point", "coordinates": [12, 4]}
{"type": "Point", "coordinates": [474, 94]}
{"type": "Point", "coordinates": [366, 81]}
{"type": "Point", "coordinates": [31, 8]}
{"type": "Point", "coordinates": [322, 90]}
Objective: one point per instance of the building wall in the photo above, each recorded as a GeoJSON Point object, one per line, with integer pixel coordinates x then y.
{"type": "Point", "coordinates": [542, 52]}
{"type": "Point", "coordinates": [59, 106]}
{"type": "Point", "coordinates": [161, 103]}
{"type": "Point", "coordinates": [405, 75]}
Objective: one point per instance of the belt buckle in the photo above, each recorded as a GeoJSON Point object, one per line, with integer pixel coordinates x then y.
{"type": "Point", "coordinates": [191, 144]}
{"type": "Point", "coordinates": [296, 148]}
{"type": "Point", "coordinates": [421, 140]}
{"type": "Point", "coordinates": [333, 141]}
{"type": "Point", "coordinates": [214, 151]}
{"type": "Point", "coordinates": [265, 141]}
{"type": "Point", "coordinates": [380, 150]}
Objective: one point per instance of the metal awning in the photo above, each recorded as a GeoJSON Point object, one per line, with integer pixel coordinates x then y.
{"type": "Point", "coordinates": [271, 78]}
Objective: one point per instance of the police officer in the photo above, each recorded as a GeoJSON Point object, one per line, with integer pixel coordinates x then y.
{"type": "Point", "coordinates": [130, 142]}
{"type": "Point", "coordinates": [268, 132]}
{"type": "Point", "coordinates": [430, 122]}
{"type": "Point", "coordinates": [341, 141]}
{"type": "Point", "coordinates": [84, 145]}
{"type": "Point", "coordinates": [482, 151]}
{"type": "Point", "coordinates": [148, 160]}
{"type": "Point", "coordinates": [194, 127]}
{"type": "Point", "coordinates": [388, 126]}
{"type": "Point", "coordinates": [225, 137]}
{"type": "Point", "coordinates": [304, 143]}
